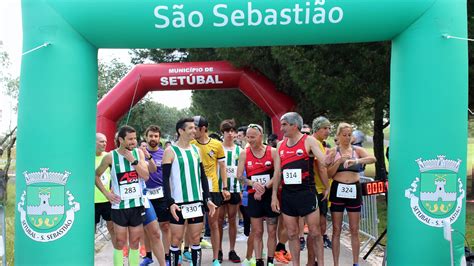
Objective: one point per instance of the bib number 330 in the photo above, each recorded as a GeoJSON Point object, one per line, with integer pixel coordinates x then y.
{"type": "Point", "coordinates": [191, 210]}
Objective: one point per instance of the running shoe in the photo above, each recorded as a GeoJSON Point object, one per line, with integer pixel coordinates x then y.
{"type": "Point", "coordinates": [280, 257]}
{"type": "Point", "coordinates": [246, 262]}
{"type": "Point", "coordinates": [234, 257]}
{"type": "Point", "coordinates": [305, 229]}
{"type": "Point", "coordinates": [327, 242]}
{"type": "Point", "coordinates": [187, 256]}
{"type": "Point", "coordinates": [302, 243]}
{"type": "Point", "coordinates": [241, 223]}
{"type": "Point", "coordinates": [220, 256]}
{"type": "Point", "coordinates": [225, 225]}
{"type": "Point", "coordinates": [241, 238]}
{"type": "Point", "coordinates": [288, 256]}
{"type": "Point", "coordinates": [205, 244]}
{"type": "Point", "coordinates": [253, 261]}
{"type": "Point", "coordinates": [125, 251]}
{"type": "Point", "coordinates": [142, 251]}
{"type": "Point", "coordinates": [146, 261]}
{"type": "Point", "coordinates": [216, 263]}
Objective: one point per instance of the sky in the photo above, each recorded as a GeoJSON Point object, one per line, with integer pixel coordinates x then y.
{"type": "Point", "coordinates": [11, 42]}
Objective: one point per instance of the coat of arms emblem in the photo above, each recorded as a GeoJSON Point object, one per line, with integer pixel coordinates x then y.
{"type": "Point", "coordinates": [438, 193]}
{"type": "Point", "coordinates": [46, 208]}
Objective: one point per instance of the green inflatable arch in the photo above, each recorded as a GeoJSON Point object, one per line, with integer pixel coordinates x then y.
{"type": "Point", "coordinates": [57, 105]}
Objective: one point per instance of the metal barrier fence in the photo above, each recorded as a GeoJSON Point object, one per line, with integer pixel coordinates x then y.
{"type": "Point", "coordinates": [369, 220]}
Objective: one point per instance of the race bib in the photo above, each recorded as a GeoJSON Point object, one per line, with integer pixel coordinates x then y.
{"type": "Point", "coordinates": [346, 191]}
{"type": "Point", "coordinates": [105, 180]}
{"type": "Point", "coordinates": [130, 191]}
{"type": "Point", "coordinates": [262, 179]}
{"type": "Point", "coordinates": [155, 193]}
{"type": "Point", "coordinates": [192, 210]}
{"type": "Point", "coordinates": [129, 185]}
{"type": "Point", "coordinates": [231, 171]}
{"type": "Point", "coordinates": [292, 176]}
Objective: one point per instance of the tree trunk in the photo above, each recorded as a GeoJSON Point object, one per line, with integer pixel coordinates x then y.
{"type": "Point", "coordinates": [380, 169]}
{"type": "Point", "coordinates": [4, 173]}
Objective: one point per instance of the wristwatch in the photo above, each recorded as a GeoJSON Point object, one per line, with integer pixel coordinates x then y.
{"type": "Point", "coordinates": [134, 162]}
{"type": "Point", "coordinates": [149, 158]}
{"type": "Point", "coordinates": [224, 188]}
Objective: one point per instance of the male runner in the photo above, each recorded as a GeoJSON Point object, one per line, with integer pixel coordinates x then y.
{"type": "Point", "coordinates": [101, 203]}
{"type": "Point", "coordinates": [298, 197]}
{"type": "Point", "coordinates": [186, 189]}
{"type": "Point", "coordinates": [212, 155]}
{"type": "Point", "coordinates": [128, 166]}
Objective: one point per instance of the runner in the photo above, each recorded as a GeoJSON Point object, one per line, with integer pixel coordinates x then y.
{"type": "Point", "coordinates": [212, 155]}
{"type": "Point", "coordinates": [321, 130]}
{"type": "Point", "coordinates": [186, 190]}
{"type": "Point", "coordinates": [231, 206]}
{"type": "Point", "coordinates": [298, 197]}
{"type": "Point", "coordinates": [101, 203]}
{"type": "Point", "coordinates": [128, 166]}
{"type": "Point", "coordinates": [345, 161]}
{"type": "Point", "coordinates": [154, 192]}
{"type": "Point", "coordinates": [259, 162]}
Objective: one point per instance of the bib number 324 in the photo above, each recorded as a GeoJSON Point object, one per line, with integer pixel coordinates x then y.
{"type": "Point", "coordinates": [346, 191]}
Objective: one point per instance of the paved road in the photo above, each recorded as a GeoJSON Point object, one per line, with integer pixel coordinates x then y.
{"type": "Point", "coordinates": [104, 249]}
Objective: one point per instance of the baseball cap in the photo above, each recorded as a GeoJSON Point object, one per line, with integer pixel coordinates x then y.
{"type": "Point", "coordinates": [200, 121]}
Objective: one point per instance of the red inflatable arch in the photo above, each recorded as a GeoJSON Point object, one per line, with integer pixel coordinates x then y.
{"type": "Point", "coordinates": [188, 76]}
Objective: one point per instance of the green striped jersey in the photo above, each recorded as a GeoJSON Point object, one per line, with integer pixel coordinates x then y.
{"type": "Point", "coordinates": [231, 161]}
{"type": "Point", "coordinates": [185, 178]}
{"type": "Point", "coordinates": [124, 178]}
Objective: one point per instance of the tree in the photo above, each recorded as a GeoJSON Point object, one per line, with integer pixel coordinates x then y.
{"type": "Point", "coordinates": [110, 73]}
{"type": "Point", "coordinates": [10, 86]}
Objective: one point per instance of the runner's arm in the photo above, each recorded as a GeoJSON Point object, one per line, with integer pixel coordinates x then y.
{"type": "Point", "coordinates": [276, 170]}
{"type": "Point", "coordinates": [276, 174]}
{"type": "Point", "coordinates": [104, 164]}
{"type": "Point", "coordinates": [168, 158]}
{"type": "Point", "coordinates": [152, 165]}
{"type": "Point", "coordinates": [333, 164]}
{"type": "Point", "coordinates": [204, 184]}
{"type": "Point", "coordinates": [241, 167]}
{"type": "Point", "coordinates": [141, 167]}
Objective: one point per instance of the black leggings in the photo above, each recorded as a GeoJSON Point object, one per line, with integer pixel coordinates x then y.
{"type": "Point", "coordinates": [246, 220]}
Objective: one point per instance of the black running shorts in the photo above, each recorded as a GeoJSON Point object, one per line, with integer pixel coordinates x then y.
{"type": "Point", "coordinates": [102, 209]}
{"type": "Point", "coordinates": [128, 217]}
{"type": "Point", "coordinates": [298, 202]}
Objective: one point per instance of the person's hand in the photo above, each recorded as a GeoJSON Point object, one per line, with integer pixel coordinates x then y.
{"type": "Point", "coordinates": [325, 194]}
{"type": "Point", "coordinates": [212, 208]}
{"type": "Point", "coordinates": [349, 163]}
{"type": "Point", "coordinates": [257, 195]}
{"type": "Point", "coordinates": [173, 209]}
{"type": "Point", "coordinates": [226, 194]}
{"type": "Point", "coordinates": [275, 205]}
{"type": "Point", "coordinates": [145, 152]}
{"type": "Point", "coordinates": [113, 198]}
{"type": "Point", "coordinates": [258, 187]}
{"type": "Point", "coordinates": [128, 155]}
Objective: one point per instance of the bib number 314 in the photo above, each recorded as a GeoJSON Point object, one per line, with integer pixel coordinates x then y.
{"type": "Point", "coordinates": [292, 176]}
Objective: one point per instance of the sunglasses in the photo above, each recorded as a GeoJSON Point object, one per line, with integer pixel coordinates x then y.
{"type": "Point", "coordinates": [307, 133]}
{"type": "Point", "coordinates": [257, 127]}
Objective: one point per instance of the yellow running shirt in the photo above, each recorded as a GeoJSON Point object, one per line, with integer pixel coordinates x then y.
{"type": "Point", "coordinates": [211, 153]}
{"type": "Point", "coordinates": [105, 178]}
